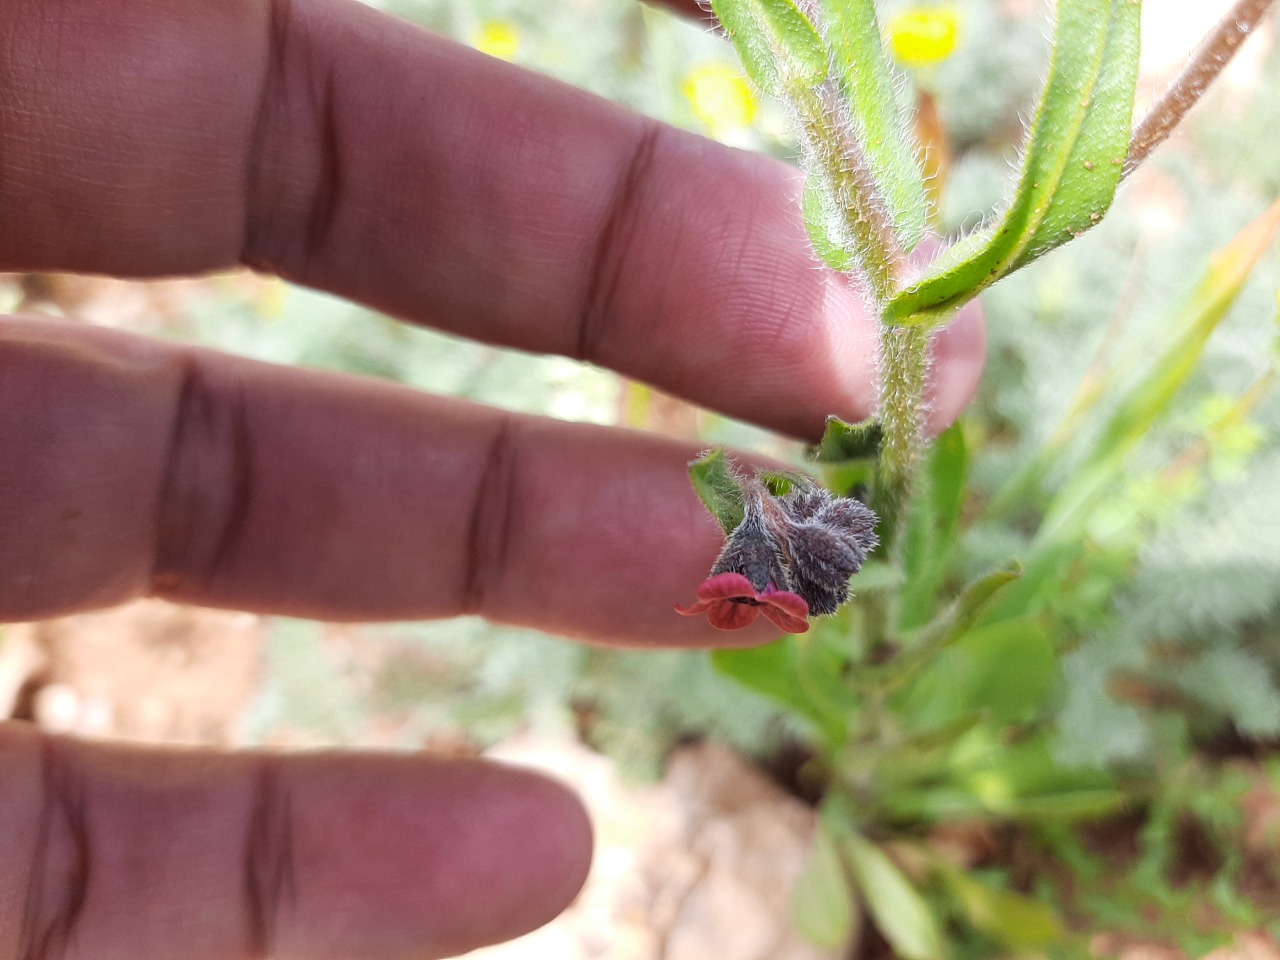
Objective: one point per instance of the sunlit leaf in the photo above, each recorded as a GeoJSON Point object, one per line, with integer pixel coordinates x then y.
{"type": "Point", "coordinates": [1071, 165]}
{"type": "Point", "coordinates": [1025, 781]}
{"type": "Point", "coordinates": [1005, 671]}
{"type": "Point", "coordinates": [880, 124]}
{"type": "Point", "coordinates": [1205, 308]}
{"type": "Point", "coordinates": [1016, 921]}
{"type": "Point", "coordinates": [1067, 805]}
{"type": "Point", "coordinates": [778, 44]}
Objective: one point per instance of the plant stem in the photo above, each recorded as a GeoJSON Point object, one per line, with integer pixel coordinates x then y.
{"type": "Point", "coordinates": [904, 364]}
{"type": "Point", "coordinates": [836, 153]}
{"type": "Point", "coordinates": [904, 353]}
{"type": "Point", "coordinates": [1210, 57]}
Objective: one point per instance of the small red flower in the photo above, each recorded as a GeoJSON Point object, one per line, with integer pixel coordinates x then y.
{"type": "Point", "coordinates": [731, 603]}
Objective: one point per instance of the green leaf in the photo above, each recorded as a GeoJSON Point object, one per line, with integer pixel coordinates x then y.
{"type": "Point", "coordinates": [768, 670]}
{"type": "Point", "coordinates": [932, 525]}
{"type": "Point", "coordinates": [849, 441]}
{"type": "Point", "coordinates": [1023, 780]}
{"type": "Point", "coordinates": [1092, 170]}
{"type": "Point", "coordinates": [900, 912]}
{"type": "Point", "coordinates": [1016, 921]}
{"type": "Point", "coordinates": [1066, 805]}
{"type": "Point", "coordinates": [1006, 670]}
{"type": "Point", "coordinates": [850, 478]}
{"type": "Point", "coordinates": [1167, 374]}
{"type": "Point", "coordinates": [778, 44]}
{"type": "Point", "coordinates": [718, 487]}
{"type": "Point", "coordinates": [781, 482]}
{"type": "Point", "coordinates": [785, 672]}
{"type": "Point", "coordinates": [1043, 584]}
{"type": "Point", "coordinates": [965, 610]}
{"type": "Point", "coordinates": [825, 224]}
{"type": "Point", "coordinates": [823, 901]}
{"type": "Point", "coordinates": [876, 576]}
{"type": "Point", "coordinates": [1071, 165]}
{"type": "Point", "coordinates": [946, 473]}
{"type": "Point", "coordinates": [945, 629]}
{"type": "Point", "coordinates": [880, 125]}
{"type": "Point", "coordinates": [918, 759]}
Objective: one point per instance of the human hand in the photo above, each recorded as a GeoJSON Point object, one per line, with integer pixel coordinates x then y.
{"type": "Point", "coordinates": [334, 146]}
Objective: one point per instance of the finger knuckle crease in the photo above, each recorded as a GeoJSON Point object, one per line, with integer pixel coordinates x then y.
{"type": "Point", "coordinates": [209, 479]}
{"type": "Point", "coordinates": [613, 244]}
{"type": "Point", "coordinates": [296, 160]}
{"type": "Point", "coordinates": [270, 875]}
{"type": "Point", "coordinates": [489, 526]}
{"type": "Point", "coordinates": [60, 874]}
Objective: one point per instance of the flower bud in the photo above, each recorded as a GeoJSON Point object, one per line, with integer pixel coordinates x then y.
{"type": "Point", "coordinates": [853, 520]}
{"type": "Point", "coordinates": [753, 551]}
{"type": "Point", "coordinates": [822, 561]}
{"type": "Point", "coordinates": [804, 501]}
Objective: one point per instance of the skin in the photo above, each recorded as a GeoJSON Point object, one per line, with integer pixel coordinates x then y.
{"type": "Point", "coordinates": [325, 142]}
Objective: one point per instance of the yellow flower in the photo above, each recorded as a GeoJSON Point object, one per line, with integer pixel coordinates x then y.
{"type": "Point", "coordinates": [923, 36]}
{"type": "Point", "coordinates": [498, 38]}
{"type": "Point", "coordinates": [721, 98]}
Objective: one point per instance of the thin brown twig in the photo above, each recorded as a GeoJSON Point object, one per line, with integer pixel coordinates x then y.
{"type": "Point", "coordinates": [1210, 57]}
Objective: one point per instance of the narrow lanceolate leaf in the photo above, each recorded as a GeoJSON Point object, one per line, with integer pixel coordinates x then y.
{"type": "Point", "coordinates": [876, 114]}
{"type": "Point", "coordinates": [899, 910]}
{"type": "Point", "coordinates": [1071, 164]}
{"type": "Point", "coordinates": [1168, 372]}
{"type": "Point", "coordinates": [932, 526]}
{"type": "Point", "coordinates": [1017, 921]}
{"type": "Point", "coordinates": [719, 489]}
{"type": "Point", "coordinates": [823, 900]}
{"type": "Point", "coordinates": [975, 599]}
{"type": "Point", "coordinates": [778, 44]}
{"type": "Point", "coordinates": [964, 612]}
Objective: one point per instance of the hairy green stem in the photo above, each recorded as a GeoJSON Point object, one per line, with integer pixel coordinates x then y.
{"type": "Point", "coordinates": [904, 360]}
{"type": "Point", "coordinates": [835, 152]}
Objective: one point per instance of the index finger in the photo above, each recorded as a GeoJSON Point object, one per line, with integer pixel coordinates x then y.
{"type": "Point", "coordinates": [343, 149]}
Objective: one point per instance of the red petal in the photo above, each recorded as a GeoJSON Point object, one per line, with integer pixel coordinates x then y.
{"type": "Point", "coordinates": [726, 586]}
{"type": "Point", "coordinates": [727, 615]}
{"type": "Point", "coordinates": [785, 621]}
{"type": "Point", "coordinates": [694, 609]}
{"type": "Point", "coordinates": [786, 611]}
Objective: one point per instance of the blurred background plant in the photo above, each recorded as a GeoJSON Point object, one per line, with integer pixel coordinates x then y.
{"type": "Point", "coordinates": [1091, 763]}
{"type": "Point", "coordinates": [1043, 693]}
